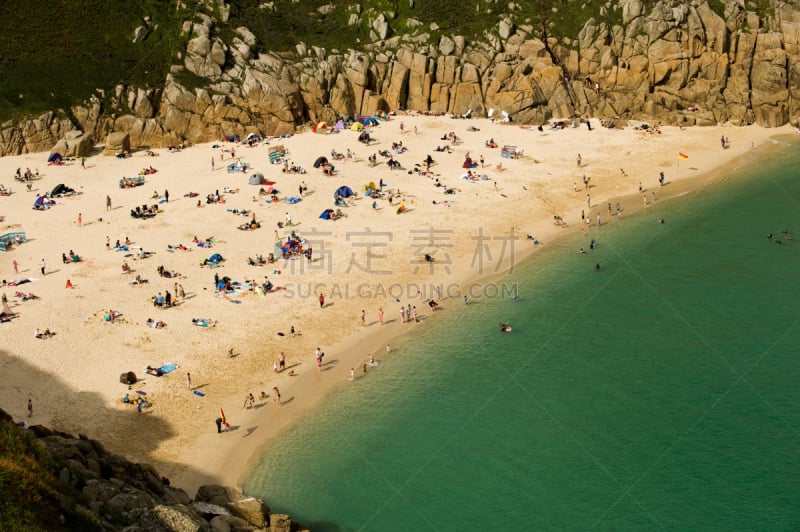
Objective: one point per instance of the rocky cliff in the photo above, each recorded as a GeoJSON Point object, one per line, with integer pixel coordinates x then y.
{"type": "Point", "coordinates": [666, 61]}
{"type": "Point", "coordinates": [54, 481]}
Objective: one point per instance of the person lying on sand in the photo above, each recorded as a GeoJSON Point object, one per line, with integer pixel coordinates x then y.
{"type": "Point", "coordinates": [43, 335]}
{"type": "Point", "coordinates": [155, 324]}
{"type": "Point", "coordinates": [203, 322]}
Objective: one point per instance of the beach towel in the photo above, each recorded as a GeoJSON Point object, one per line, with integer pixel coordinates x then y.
{"type": "Point", "coordinates": [199, 393]}
{"type": "Point", "coordinates": [293, 200]}
{"type": "Point", "coordinates": [169, 368]}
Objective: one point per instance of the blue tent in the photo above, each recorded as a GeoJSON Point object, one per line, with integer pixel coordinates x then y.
{"type": "Point", "coordinates": [216, 258]}
{"type": "Point", "coordinates": [327, 214]}
{"type": "Point", "coordinates": [55, 157]}
{"type": "Point", "coordinates": [320, 161]}
{"type": "Point", "coordinates": [343, 192]}
{"type": "Point", "coordinates": [369, 121]}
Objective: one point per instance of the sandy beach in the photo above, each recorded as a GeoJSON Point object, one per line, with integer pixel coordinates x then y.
{"type": "Point", "coordinates": [370, 259]}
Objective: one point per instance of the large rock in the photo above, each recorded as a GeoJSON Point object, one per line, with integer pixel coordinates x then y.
{"type": "Point", "coordinates": [250, 509]}
{"type": "Point", "coordinates": [116, 142]}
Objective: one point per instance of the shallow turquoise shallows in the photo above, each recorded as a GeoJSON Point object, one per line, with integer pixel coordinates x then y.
{"type": "Point", "coordinates": [661, 391]}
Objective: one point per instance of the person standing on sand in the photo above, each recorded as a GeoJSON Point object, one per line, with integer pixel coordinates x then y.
{"type": "Point", "coordinates": [212, 163]}
{"type": "Point", "coordinates": [43, 266]}
{"type": "Point", "coordinates": [30, 407]}
{"type": "Point", "coordinates": [277, 395]}
{"type": "Point", "coordinates": [380, 315]}
{"type": "Point", "coordinates": [188, 380]}
{"type": "Point", "coordinates": [579, 160]}
{"type": "Point", "coordinates": [275, 366]}
{"type": "Point", "coordinates": [414, 310]}
{"type": "Point", "coordinates": [15, 264]}
{"type": "Point", "coordinates": [282, 361]}
{"type": "Point", "coordinates": [108, 203]}
{"type": "Point", "coordinates": [80, 219]}
{"type": "Point", "coordinates": [166, 196]}
{"type": "Point", "coordinates": [321, 301]}
{"type": "Point", "coordinates": [402, 314]}
{"type": "Point", "coordinates": [352, 374]}
{"type": "Point", "coordinates": [363, 318]}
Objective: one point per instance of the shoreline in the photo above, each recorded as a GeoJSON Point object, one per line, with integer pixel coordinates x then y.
{"type": "Point", "coordinates": [80, 366]}
{"type": "Point", "coordinates": [372, 342]}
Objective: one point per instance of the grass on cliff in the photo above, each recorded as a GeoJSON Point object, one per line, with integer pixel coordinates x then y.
{"type": "Point", "coordinates": [27, 492]}
{"type": "Point", "coordinates": [280, 27]}
{"type": "Point", "coordinates": [56, 53]}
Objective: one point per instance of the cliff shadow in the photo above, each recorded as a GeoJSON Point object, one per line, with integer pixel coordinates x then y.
{"type": "Point", "coordinates": [61, 406]}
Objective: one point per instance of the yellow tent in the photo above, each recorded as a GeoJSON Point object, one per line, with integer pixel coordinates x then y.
{"type": "Point", "coordinates": [356, 126]}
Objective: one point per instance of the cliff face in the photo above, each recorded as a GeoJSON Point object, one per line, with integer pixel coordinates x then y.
{"type": "Point", "coordinates": [671, 62]}
{"type": "Point", "coordinates": [54, 481]}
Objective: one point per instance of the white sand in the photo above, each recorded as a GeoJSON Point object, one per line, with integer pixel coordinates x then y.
{"type": "Point", "coordinates": [73, 377]}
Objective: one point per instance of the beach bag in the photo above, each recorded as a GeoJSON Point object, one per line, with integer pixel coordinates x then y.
{"type": "Point", "coordinates": [128, 378]}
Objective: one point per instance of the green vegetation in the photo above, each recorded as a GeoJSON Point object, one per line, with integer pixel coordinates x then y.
{"type": "Point", "coordinates": [54, 54]}
{"type": "Point", "coordinates": [27, 487]}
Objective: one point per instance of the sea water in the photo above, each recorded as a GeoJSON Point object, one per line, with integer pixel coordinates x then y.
{"type": "Point", "coordinates": [659, 391]}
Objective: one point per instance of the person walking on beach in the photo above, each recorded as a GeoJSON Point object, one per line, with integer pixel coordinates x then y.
{"type": "Point", "coordinates": [188, 380]}
{"type": "Point", "coordinates": [30, 407]}
{"type": "Point", "coordinates": [43, 266]}
{"type": "Point", "coordinates": [363, 318]}
{"type": "Point", "coordinates": [414, 311]}
{"type": "Point", "coordinates": [321, 301]}
{"type": "Point", "coordinates": [80, 219]}
{"type": "Point", "coordinates": [166, 196]}
{"type": "Point", "coordinates": [402, 314]}
{"type": "Point", "coordinates": [83, 163]}
{"type": "Point", "coordinates": [589, 200]}
{"type": "Point", "coordinates": [212, 163]}
{"type": "Point", "coordinates": [15, 264]}
{"type": "Point", "coordinates": [108, 203]}
{"type": "Point", "coordinates": [282, 361]}
{"type": "Point", "coordinates": [380, 315]}
{"type": "Point", "coordinates": [579, 160]}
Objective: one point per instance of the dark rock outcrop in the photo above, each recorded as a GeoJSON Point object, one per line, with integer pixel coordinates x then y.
{"type": "Point", "coordinates": [103, 491]}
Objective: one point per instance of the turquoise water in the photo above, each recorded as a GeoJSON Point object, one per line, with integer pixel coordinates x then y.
{"type": "Point", "coordinates": [660, 392]}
